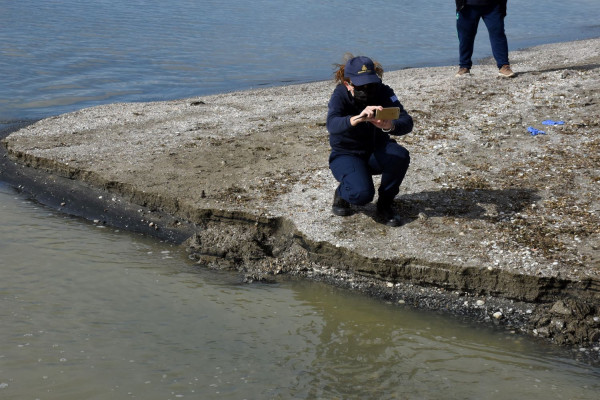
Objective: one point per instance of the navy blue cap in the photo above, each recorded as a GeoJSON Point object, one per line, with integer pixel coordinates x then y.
{"type": "Point", "coordinates": [361, 71]}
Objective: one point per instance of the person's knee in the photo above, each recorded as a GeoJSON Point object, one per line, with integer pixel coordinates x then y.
{"type": "Point", "coordinates": [465, 35]}
{"type": "Point", "coordinates": [361, 197]}
{"type": "Point", "coordinates": [401, 157]}
{"type": "Point", "coordinates": [406, 158]}
{"type": "Point", "coordinates": [495, 24]}
{"type": "Point", "coordinates": [496, 31]}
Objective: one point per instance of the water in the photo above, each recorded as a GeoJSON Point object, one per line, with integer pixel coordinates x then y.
{"type": "Point", "coordinates": [95, 313]}
{"type": "Point", "coordinates": [59, 56]}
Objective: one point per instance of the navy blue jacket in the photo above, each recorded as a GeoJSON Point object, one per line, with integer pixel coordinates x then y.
{"type": "Point", "coordinates": [360, 140]}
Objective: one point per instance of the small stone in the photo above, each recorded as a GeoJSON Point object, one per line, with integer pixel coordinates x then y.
{"type": "Point", "coordinates": [560, 324]}
{"type": "Point", "coordinates": [479, 303]}
{"type": "Point", "coordinates": [498, 315]}
{"type": "Point", "coordinates": [561, 308]}
{"type": "Point", "coordinates": [566, 74]}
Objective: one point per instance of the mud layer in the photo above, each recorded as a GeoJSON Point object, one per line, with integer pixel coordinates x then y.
{"type": "Point", "coordinates": [499, 225]}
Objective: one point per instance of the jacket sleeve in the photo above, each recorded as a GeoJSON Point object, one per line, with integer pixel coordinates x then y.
{"type": "Point", "coordinates": [503, 7]}
{"type": "Point", "coordinates": [460, 4]}
{"type": "Point", "coordinates": [338, 116]}
{"type": "Point", "coordinates": [338, 120]}
{"type": "Point", "coordinates": [404, 123]}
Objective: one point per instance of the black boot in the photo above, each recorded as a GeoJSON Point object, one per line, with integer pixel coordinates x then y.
{"type": "Point", "coordinates": [386, 213]}
{"type": "Point", "coordinates": [340, 206]}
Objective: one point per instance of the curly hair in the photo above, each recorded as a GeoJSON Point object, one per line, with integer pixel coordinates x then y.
{"type": "Point", "coordinates": [338, 75]}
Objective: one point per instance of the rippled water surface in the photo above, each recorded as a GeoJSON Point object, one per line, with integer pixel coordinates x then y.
{"type": "Point", "coordinates": [93, 313]}
{"type": "Point", "coordinates": [58, 56]}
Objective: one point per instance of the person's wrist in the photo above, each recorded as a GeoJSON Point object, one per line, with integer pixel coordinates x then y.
{"type": "Point", "coordinates": [391, 128]}
{"type": "Point", "coordinates": [356, 119]}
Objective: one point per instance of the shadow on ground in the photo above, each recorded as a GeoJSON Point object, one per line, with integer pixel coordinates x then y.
{"type": "Point", "coordinates": [484, 204]}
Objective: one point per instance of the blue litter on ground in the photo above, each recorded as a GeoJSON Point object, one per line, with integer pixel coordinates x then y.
{"type": "Point", "coordinates": [534, 131]}
{"type": "Point", "coordinates": [550, 122]}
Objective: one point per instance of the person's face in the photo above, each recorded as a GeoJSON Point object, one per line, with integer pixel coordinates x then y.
{"type": "Point", "coordinates": [363, 93]}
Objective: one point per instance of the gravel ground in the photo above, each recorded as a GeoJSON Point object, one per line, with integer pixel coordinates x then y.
{"type": "Point", "coordinates": [499, 224]}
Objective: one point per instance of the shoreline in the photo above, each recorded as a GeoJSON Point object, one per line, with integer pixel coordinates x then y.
{"type": "Point", "coordinates": [500, 226]}
{"type": "Point", "coordinates": [8, 125]}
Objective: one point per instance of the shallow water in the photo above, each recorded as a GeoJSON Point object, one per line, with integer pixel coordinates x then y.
{"type": "Point", "coordinates": [94, 313]}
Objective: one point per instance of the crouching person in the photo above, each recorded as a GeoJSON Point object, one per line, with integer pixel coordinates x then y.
{"type": "Point", "coordinates": [361, 145]}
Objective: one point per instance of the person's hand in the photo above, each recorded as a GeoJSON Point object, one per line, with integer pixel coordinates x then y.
{"type": "Point", "coordinates": [369, 112]}
{"type": "Point", "coordinates": [366, 115]}
{"type": "Point", "coordinates": [382, 124]}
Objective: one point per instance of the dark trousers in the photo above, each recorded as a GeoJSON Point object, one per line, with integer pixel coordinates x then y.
{"type": "Point", "coordinates": [467, 21]}
{"type": "Point", "coordinates": [355, 173]}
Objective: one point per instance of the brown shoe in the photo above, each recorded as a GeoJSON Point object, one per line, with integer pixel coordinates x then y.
{"type": "Point", "coordinates": [506, 72]}
{"type": "Point", "coordinates": [463, 71]}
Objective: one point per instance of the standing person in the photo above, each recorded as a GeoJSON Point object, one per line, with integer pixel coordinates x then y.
{"type": "Point", "coordinates": [468, 14]}
{"type": "Point", "coordinates": [360, 144]}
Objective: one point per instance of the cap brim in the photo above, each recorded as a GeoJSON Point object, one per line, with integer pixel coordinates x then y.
{"type": "Point", "coordinates": [365, 79]}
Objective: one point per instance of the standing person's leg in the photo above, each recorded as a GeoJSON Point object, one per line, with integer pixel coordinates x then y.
{"type": "Point", "coordinates": [494, 21]}
{"type": "Point", "coordinates": [354, 175]}
{"type": "Point", "coordinates": [467, 21]}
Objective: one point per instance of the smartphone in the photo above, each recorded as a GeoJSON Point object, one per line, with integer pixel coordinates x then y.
{"type": "Point", "coordinates": [388, 113]}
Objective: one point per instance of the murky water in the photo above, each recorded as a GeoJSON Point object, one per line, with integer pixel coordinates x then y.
{"type": "Point", "coordinates": [95, 313]}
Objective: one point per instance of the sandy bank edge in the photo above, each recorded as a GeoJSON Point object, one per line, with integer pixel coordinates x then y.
{"type": "Point", "coordinates": [52, 189]}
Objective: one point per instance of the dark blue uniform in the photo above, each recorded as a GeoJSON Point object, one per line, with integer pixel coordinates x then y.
{"type": "Point", "coordinates": [359, 152]}
{"type": "Point", "coordinates": [468, 14]}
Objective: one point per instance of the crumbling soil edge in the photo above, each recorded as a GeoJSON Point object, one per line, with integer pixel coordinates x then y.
{"type": "Point", "coordinates": [558, 310]}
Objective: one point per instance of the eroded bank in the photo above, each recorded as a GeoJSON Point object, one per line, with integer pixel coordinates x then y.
{"type": "Point", "coordinates": [500, 225]}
